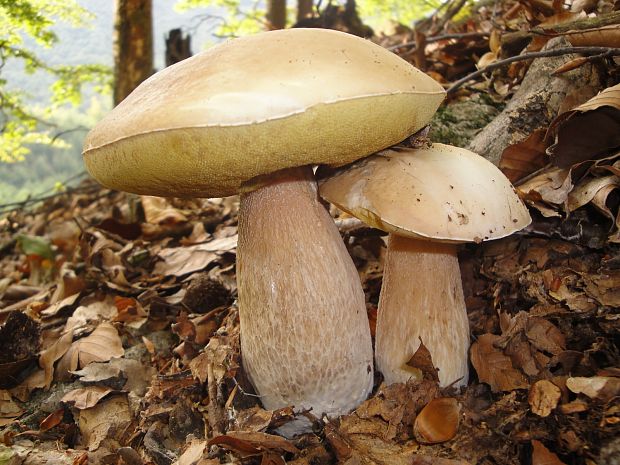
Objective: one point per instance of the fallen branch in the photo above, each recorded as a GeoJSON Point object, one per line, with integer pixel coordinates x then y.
{"type": "Point", "coordinates": [602, 52]}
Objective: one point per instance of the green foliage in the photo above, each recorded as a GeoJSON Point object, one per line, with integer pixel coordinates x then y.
{"type": "Point", "coordinates": [378, 13]}
{"type": "Point", "coordinates": [237, 19]}
{"type": "Point", "coordinates": [48, 166]}
{"type": "Point", "coordinates": [27, 22]}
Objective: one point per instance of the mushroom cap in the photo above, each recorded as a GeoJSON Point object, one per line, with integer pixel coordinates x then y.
{"type": "Point", "coordinates": [440, 193]}
{"type": "Point", "coordinates": [255, 105]}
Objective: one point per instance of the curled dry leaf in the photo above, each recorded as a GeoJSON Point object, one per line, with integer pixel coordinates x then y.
{"type": "Point", "coordinates": [438, 421]}
{"type": "Point", "coordinates": [157, 210]}
{"type": "Point", "coordinates": [588, 131]}
{"type": "Point", "coordinates": [543, 397]}
{"type": "Point", "coordinates": [102, 344]}
{"type": "Point", "coordinates": [495, 368]}
{"type": "Point", "coordinates": [597, 387]}
{"type": "Point", "coordinates": [49, 356]}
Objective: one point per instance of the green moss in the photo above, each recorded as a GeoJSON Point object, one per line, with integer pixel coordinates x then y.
{"type": "Point", "coordinates": [458, 122]}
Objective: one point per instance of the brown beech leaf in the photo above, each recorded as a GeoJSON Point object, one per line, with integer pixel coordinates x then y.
{"type": "Point", "coordinates": [597, 387]}
{"type": "Point", "coordinates": [157, 210]}
{"type": "Point", "coordinates": [193, 453]}
{"type": "Point", "coordinates": [438, 421]}
{"type": "Point", "coordinates": [9, 410]}
{"type": "Point", "coordinates": [543, 397]}
{"type": "Point", "coordinates": [587, 132]}
{"type": "Point", "coordinates": [100, 346]}
{"type": "Point", "coordinates": [605, 36]}
{"type": "Point", "coordinates": [180, 261]}
{"type": "Point", "coordinates": [49, 356]}
{"type": "Point", "coordinates": [543, 456]}
{"type": "Point", "coordinates": [525, 157]}
{"type": "Point", "coordinates": [495, 368]}
{"type": "Point", "coordinates": [570, 65]}
{"type": "Point", "coordinates": [244, 448]}
{"type": "Point", "coordinates": [53, 419]}
{"type": "Point", "coordinates": [422, 361]}
{"type": "Point", "coordinates": [545, 336]}
{"type": "Point", "coordinates": [585, 192]}
{"type": "Point", "coordinates": [86, 397]}
{"type": "Point", "coordinates": [106, 420]}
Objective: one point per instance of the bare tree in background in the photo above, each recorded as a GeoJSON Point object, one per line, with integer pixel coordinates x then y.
{"type": "Point", "coordinates": [133, 45]}
{"type": "Point", "coordinates": [276, 14]}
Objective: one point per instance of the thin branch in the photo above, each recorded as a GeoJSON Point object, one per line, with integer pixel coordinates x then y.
{"type": "Point", "coordinates": [461, 35]}
{"type": "Point", "coordinates": [603, 52]}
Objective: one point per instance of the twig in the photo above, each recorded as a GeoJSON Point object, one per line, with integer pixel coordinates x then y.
{"type": "Point", "coordinates": [603, 52]}
{"type": "Point", "coordinates": [461, 35]}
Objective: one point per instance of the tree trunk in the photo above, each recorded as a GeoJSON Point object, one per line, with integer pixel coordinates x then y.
{"type": "Point", "coordinates": [133, 45]}
{"type": "Point", "coordinates": [304, 9]}
{"type": "Point", "coordinates": [276, 14]}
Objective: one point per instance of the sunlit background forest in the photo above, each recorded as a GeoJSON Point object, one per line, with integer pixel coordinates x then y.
{"type": "Point", "coordinates": [55, 78]}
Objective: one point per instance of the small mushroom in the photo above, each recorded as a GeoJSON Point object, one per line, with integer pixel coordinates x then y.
{"type": "Point", "coordinates": [429, 200]}
{"type": "Point", "coordinates": [253, 115]}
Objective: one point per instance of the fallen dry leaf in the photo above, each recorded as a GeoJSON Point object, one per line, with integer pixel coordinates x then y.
{"type": "Point", "coordinates": [544, 397]}
{"type": "Point", "coordinates": [87, 316]}
{"type": "Point", "coordinates": [596, 387]}
{"type": "Point", "coordinates": [180, 261]}
{"type": "Point", "coordinates": [525, 157]}
{"type": "Point", "coordinates": [9, 410]}
{"type": "Point", "coordinates": [49, 356]}
{"type": "Point", "coordinates": [438, 421]}
{"type": "Point", "coordinates": [495, 368]}
{"type": "Point", "coordinates": [86, 397]}
{"type": "Point", "coordinates": [193, 453]}
{"type": "Point", "coordinates": [572, 131]}
{"type": "Point", "coordinates": [102, 344]}
{"type": "Point", "coordinates": [422, 364]}
{"type": "Point", "coordinates": [543, 456]}
{"type": "Point", "coordinates": [106, 419]}
{"type": "Point", "coordinates": [52, 420]}
{"type": "Point", "coordinates": [157, 210]}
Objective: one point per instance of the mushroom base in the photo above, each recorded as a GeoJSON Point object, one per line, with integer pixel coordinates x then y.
{"type": "Point", "coordinates": [305, 337]}
{"type": "Point", "coordinates": [422, 299]}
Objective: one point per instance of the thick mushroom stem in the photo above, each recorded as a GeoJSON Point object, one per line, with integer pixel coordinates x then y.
{"type": "Point", "coordinates": [422, 298]}
{"type": "Point", "coordinates": [305, 338]}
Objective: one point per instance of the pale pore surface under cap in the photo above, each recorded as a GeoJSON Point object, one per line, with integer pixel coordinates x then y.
{"type": "Point", "coordinates": [258, 104]}
{"type": "Point", "coordinates": [442, 193]}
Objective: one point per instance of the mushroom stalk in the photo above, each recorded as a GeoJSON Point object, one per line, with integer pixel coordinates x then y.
{"type": "Point", "coordinates": [422, 299]}
{"type": "Point", "coordinates": [305, 337]}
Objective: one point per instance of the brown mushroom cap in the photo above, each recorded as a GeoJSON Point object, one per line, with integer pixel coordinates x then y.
{"type": "Point", "coordinates": [442, 193]}
{"type": "Point", "coordinates": [258, 104]}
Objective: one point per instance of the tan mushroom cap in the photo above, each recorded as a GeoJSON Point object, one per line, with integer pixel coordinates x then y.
{"type": "Point", "coordinates": [443, 193]}
{"type": "Point", "coordinates": [258, 104]}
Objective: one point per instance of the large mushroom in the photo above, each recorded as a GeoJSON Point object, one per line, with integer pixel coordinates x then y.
{"type": "Point", "coordinates": [253, 115]}
{"type": "Point", "coordinates": [429, 200]}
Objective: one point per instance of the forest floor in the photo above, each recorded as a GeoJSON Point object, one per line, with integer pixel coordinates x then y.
{"type": "Point", "coordinates": [119, 340]}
